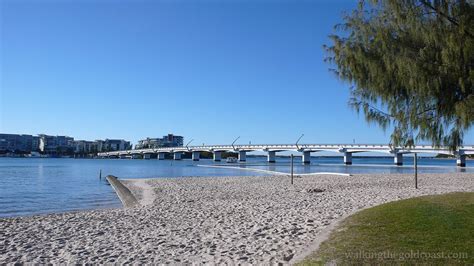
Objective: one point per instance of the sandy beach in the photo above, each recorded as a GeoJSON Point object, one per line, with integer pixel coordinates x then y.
{"type": "Point", "coordinates": [258, 220]}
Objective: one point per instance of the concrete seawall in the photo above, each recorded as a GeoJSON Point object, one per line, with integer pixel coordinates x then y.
{"type": "Point", "coordinates": [124, 194]}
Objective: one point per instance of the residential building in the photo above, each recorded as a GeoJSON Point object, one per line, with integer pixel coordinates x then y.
{"type": "Point", "coordinates": [169, 140]}
{"type": "Point", "coordinates": [112, 145]}
{"type": "Point", "coordinates": [35, 140]}
{"type": "Point", "coordinates": [149, 143]}
{"type": "Point", "coordinates": [173, 141]}
{"type": "Point", "coordinates": [55, 144]}
{"type": "Point", "coordinates": [18, 143]}
{"type": "Point", "coordinates": [84, 146]}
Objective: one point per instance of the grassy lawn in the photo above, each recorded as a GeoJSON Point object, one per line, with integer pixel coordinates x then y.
{"type": "Point", "coordinates": [426, 230]}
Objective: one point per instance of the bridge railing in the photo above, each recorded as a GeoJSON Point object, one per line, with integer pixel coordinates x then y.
{"type": "Point", "coordinates": [368, 147]}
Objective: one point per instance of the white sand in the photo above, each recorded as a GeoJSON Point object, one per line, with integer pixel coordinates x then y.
{"type": "Point", "coordinates": [211, 220]}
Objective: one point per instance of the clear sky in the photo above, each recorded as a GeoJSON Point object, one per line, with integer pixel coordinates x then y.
{"type": "Point", "coordinates": [207, 70]}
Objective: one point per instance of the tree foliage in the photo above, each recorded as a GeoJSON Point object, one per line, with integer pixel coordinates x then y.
{"type": "Point", "coordinates": [410, 66]}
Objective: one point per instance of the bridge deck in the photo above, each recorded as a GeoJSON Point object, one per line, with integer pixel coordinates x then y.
{"type": "Point", "coordinates": [342, 148]}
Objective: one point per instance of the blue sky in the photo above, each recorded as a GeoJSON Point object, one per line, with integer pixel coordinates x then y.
{"type": "Point", "coordinates": [207, 70]}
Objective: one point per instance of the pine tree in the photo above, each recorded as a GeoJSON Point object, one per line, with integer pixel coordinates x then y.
{"type": "Point", "coordinates": [410, 67]}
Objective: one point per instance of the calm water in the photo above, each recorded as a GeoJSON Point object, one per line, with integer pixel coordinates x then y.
{"type": "Point", "coordinates": [35, 185]}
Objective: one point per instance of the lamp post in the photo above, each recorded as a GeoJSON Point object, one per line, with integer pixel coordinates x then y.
{"type": "Point", "coordinates": [415, 165]}
{"type": "Point", "coordinates": [234, 142]}
{"type": "Point", "coordinates": [188, 144]}
{"type": "Point", "coordinates": [292, 168]}
{"type": "Point", "coordinates": [297, 147]}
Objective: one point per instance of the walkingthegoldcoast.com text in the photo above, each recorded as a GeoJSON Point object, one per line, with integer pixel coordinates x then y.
{"type": "Point", "coordinates": [412, 254]}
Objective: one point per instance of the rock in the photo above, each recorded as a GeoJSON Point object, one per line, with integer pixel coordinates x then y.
{"type": "Point", "coordinates": [315, 190]}
{"type": "Point", "coordinates": [288, 257]}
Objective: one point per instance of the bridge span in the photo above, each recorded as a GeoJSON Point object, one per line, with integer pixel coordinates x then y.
{"type": "Point", "coordinates": [305, 149]}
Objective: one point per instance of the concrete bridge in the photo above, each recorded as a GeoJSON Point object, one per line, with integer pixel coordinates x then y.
{"type": "Point", "coordinates": [305, 149]}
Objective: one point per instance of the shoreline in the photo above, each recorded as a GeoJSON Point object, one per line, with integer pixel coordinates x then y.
{"type": "Point", "coordinates": [247, 219]}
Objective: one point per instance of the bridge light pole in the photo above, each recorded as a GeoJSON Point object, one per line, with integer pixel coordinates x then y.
{"type": "Point", "coordinates": [297, 147]}
{"type": "Point", "coordinates": [188, 144]}
{"type": "Point", "coordinates": [234, 142]}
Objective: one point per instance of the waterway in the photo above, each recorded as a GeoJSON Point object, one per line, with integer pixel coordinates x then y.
{"type": "Point", "coordinates": [31, 186]}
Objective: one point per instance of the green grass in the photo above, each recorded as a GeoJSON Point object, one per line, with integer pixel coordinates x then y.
{"type": "Point", "coordinates": [427, 230]}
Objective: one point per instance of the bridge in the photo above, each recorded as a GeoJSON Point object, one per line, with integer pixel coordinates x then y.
{"type": "Point", "coordinates": [305, 149]}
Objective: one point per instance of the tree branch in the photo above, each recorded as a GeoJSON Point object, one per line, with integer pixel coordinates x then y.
{"type": "Point", "coordinates": [444, 15]}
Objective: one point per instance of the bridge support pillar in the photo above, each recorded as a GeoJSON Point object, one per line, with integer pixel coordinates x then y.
{"type": "Point", "coordinates": [147, 156]}
{"type": "Point", "coordinates": [306, 157]}
{"type": "Point", "coordinates": [196, 155]}
{"type": "Point", "coordinates": [161, 156]}
{"type": "Point", "coordinates": [135, 156]}
{"type": "Point", "coordinates": [347, 158]}
{"type": "Point", "coordinates": [271, 156]}
{"type": "Point", "coordinates": [177, 156]}
{"type": "Point", "coordinates": [398, 159]}
{"type": "Point", "coordinates": [461, 161]}
{"type": "Point", "coordinates": [217, 156]}
{"type": "Point", "coordinates": [242, 156]}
